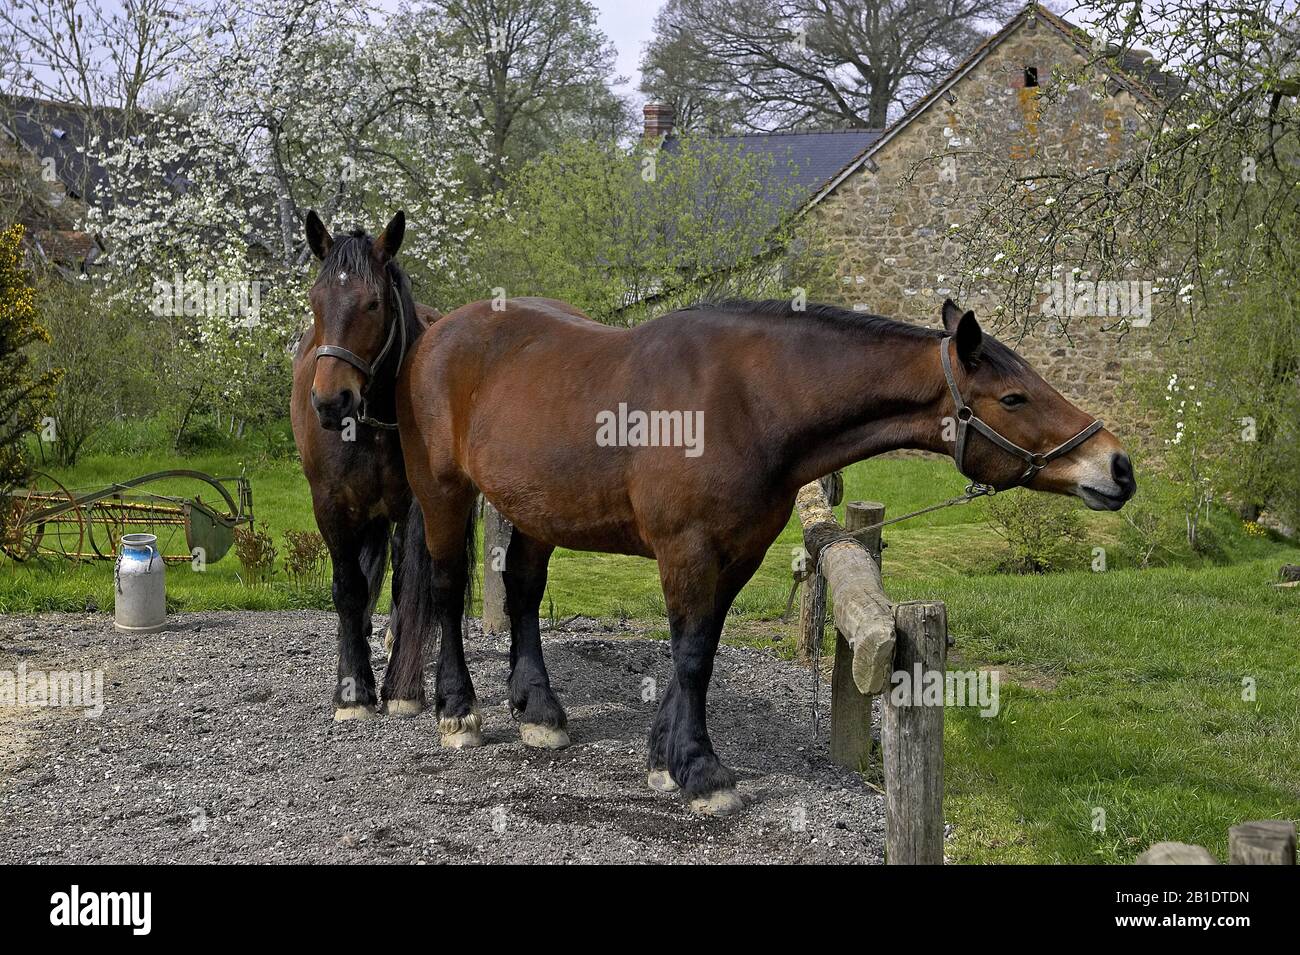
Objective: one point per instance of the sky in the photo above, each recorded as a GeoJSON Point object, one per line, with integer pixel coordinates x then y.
{"type": "Point", "coordinates": [629, 24]}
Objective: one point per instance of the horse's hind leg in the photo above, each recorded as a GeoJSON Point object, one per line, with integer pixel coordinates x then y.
{"type": "Point", "coordinates": [449, 530]}
{"type": "Point", "coordinates": [352, 553]}
{"type": "Point", "coordinates": [542, 722]}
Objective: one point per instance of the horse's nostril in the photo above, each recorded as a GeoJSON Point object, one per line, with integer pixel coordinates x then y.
{"type": "Point", "coordinates": [1121, 469]}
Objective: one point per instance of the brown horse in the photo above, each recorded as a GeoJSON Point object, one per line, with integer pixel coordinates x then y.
{"type": "Point", "coordinates": [349, 446]}
{"type": "Point", "coordinates": [686, 439]}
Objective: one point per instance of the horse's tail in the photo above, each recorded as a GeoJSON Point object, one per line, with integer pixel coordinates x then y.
{"type": "Point", "coordinates": [471, 553]}
{"type": "Point", "coordinates": [415, 613]}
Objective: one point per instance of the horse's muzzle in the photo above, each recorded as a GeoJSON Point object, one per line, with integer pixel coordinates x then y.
{"type": "Point", "coordinates": [1122, 486]}
{"type": "Point", "coordinates": [332, 413]}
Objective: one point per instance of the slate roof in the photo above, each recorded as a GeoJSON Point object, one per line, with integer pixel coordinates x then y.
{"type": "Point", "coordinates": [800, 163]}
{"type": "Point", "coordinates": [65, 133]}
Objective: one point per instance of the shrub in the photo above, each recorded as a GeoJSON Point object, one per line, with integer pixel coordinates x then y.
{"type": "Point", "coordinates": [1043, 533]}
{"type": "Point", "coordinates": [202, 434]}
{"type": "Point", "coordinates": [256, 553]}
{"type": "Point", "coordinates": [24, 391]}
{"type": "Point", "coordinates": [305, 557]}
{"type": "Point", "coordinates": [1158, 531]}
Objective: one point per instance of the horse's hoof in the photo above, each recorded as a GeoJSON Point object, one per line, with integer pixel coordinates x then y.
{"type": "Point", "coordinates": [461, 732]}
{"type": "Point", "coordinates": [543, 737]}
{"type": "Point", "coordinates": [388, 642]}
{"type": "Point", "coordinates": [720, 802]}
{"type": "Point", "coordinates": [403, 707]}
{"type": "Point", "coordinates": [366, 712]}
{"type": "Point", "coordinates": [465, 740]}
{"type": "Point", "coordinates": [661, 781]}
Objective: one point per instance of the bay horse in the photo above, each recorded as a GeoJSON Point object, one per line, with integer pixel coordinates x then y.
{"type": "Point", "coordinates": [343, 416]}
{"type": "Point", "coordinates": [517, 403]}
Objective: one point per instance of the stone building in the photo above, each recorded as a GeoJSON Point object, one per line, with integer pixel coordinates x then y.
{"type": "Point", "coordinates": [49, 176]}
{"type": "Point", "coordinates": [887, 212]}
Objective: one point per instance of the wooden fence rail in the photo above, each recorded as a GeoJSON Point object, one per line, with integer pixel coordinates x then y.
{"type": "Point", "coordinates": [874, 640]}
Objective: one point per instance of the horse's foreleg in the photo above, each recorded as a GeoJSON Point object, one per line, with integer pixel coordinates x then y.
{"type": "Point", "coordinates": [354, 692]}
{"type": "Point", "coordinates": [698, 595]}
{"type": "Point", "coordinates": [448, 533]}
{"type": "Point", "coordinates": [542, 722]}
{"type": "Point", "coordinates": [459, 722]}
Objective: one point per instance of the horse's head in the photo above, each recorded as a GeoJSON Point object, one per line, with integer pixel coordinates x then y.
{"type": "Point", "coordinates": [356, 313]}
{"type": "Point", "coordinates": [1011, 428]}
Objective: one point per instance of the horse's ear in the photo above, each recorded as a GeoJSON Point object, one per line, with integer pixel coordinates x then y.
{"type": "Point", "coordinates": [951, 316]}
{"type": "Point", "coordinates": [966, 331]}
{"type": "Point", "coordinates": [390, 240]}
{"type": "Point", "coordinates": [318, 237]}
{"type": "Point", "coordinates": [970, 340]}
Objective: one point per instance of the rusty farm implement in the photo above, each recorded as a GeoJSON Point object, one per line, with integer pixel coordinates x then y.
{"type": "Point", "coordinates": [48, 519]}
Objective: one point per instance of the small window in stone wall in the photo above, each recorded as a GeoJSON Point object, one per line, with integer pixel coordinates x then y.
{"type": "Point", "coordinates": [1031, 76]}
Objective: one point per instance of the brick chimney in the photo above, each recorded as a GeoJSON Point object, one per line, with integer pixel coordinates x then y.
{"type": "Point", "coordinates": [658, 121]}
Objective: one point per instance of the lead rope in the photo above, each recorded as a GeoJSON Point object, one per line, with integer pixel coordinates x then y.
{"type": "Point", "coordinates": [973, 490]}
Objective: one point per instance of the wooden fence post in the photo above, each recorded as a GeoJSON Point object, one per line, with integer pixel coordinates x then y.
{"type": "Point", "coordinates": [812, 613]}
{"type": "Point", "coordinates": [812, 590]}
{"type": "Point", "coordinates": [496, 539]}
{"type": "Point", "coordinates": [1268, 842]}
{"type": "Point", "coordinates": [911, 737]}
{"type": "Point", "coordinates": [850, 708]}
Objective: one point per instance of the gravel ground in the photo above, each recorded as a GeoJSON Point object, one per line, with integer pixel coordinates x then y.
{"type": "Point", "coordinates": [216, 744]}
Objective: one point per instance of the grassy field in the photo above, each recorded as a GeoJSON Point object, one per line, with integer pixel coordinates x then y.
{"type": "Point", "coordinates": [1122, 690]}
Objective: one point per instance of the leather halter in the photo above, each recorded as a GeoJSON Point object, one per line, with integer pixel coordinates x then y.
{"type": "Point", "coordinates": [396, 333]}
{"type": "Point", "coordinates": [966, 419]}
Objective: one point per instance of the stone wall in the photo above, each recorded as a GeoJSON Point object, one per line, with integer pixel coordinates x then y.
{"type": "Point", "coordinates": [888, 228]}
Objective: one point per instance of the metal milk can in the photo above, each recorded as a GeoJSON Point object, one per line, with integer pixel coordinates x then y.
{"type": "Point", "coordinates": [139, 587]}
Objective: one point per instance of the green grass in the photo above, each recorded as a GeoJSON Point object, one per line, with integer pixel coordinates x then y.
{"type": "Point", "coordinates": [1126, 697]}
{"type": "Point", "coordinates": [600, 585]}
{"type": "Point", "coordinates": [1123, 692]}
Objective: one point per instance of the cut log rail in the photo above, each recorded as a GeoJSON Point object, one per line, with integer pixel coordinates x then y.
{"type": "Point", "coordinates": [1264, 842]}
{"type": "Point", "coordinates": [863, 614]}
{"type": "Point", "coordinates": [873, 639]}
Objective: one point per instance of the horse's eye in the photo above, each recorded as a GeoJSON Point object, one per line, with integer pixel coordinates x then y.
{"type": "Point", "coordinates": [1013, 400]}
{"type": "Point", "coordinates": [373, 306]}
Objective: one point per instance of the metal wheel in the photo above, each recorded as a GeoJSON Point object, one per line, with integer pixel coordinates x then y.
{"type": "Point", "coordinates": [43, 520]}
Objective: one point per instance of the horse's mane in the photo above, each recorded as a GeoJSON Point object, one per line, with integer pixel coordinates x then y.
{"type": "Point", "coordinates": [996, 355]}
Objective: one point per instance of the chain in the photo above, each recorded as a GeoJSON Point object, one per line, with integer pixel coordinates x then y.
{"type": "Point", "coordinates": [817, 678]}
